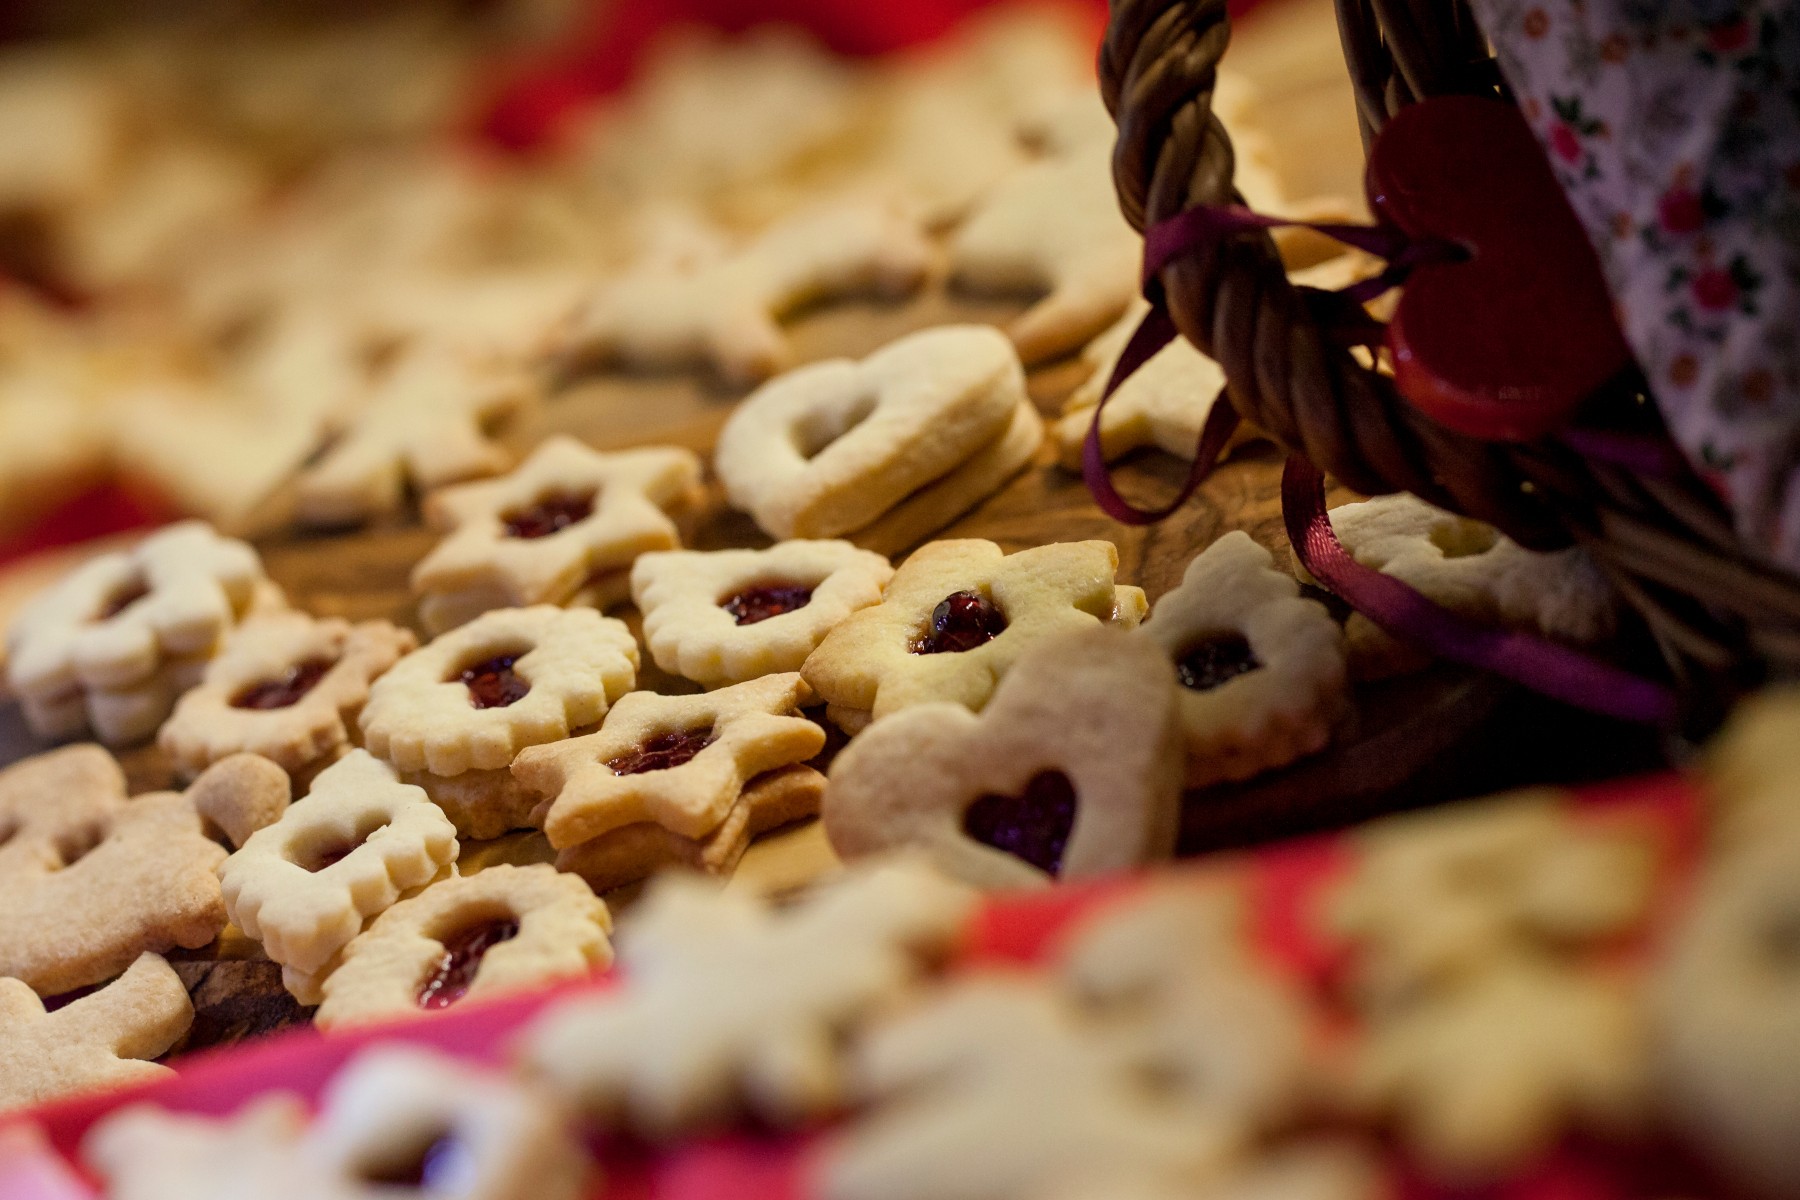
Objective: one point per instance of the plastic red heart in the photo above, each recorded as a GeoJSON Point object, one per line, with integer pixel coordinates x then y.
{"type": "Point", "coordinates": [1506, 343]}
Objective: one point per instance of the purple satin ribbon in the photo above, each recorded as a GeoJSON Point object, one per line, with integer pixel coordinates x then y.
{"type": "Point", "coordinates": [1542, 665]}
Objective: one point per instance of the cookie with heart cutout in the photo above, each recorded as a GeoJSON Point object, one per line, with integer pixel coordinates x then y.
{"type": "Point", "coordinates": [284, 686]}
{"type": "Point", "coordinates": [564, 517]}
{"type": "Point", "coordinates": [955, 616]}
{"type": "Point", "coordinates": [726, 616]}
{"type": "Point", "coordinates": [1072, 770]}
{"type": "Point", "coordinates": [1262, 670]}
{"type": "Point", "coordinates": [830, 447]}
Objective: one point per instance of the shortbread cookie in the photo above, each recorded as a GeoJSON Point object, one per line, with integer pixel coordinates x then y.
{"type": "Point", "coordinates": [241, 794]}
{"type": "Point", "coordinates": [632, 852]}
{"type": "Point", "coordinates": [143, 1152]}
{"type": "Point", "coordinates": [99, 1041]}
{"type": "Point", "coordinates": [514, 677]}
{"type": "Point", "coordinates": [936, 505]}
{"type": "Point", "coordinates": [1164, 404]}
{"type": "Point", "coordinates": [1727, 1011]}
{"type": "Point", "coordinates": [1471, 569]}
{"type": "Point", "coordinates": [1324, 1168]}
{"type": "Point", "coordinates": [305, 885]}
{"type": "Point", "coordinates": [1483, 1075]}
{"type": "Point", "coordinates": [1752, 771]}
{"type": "Point", "coordinates": [89, 880]}
{"type": "Point", "coordinates": [481, 804]}
{"type": "Point", "coordinates": [728, 1003]}
{"type": "Point", "coordinates": [1434, 896]}
{"type": "Point", "coordinates": [956, 615]}
{"type": "Point", "coordinates": [96, 648]}
{"type": "Point", "coordinates": [473, 936]}
{"type": "Point", "coordinates": [566, 515]}
{"type": "Point", "coordinates": [1261, 670]}
{"type": "Point", "coordinates": [727, 310]}
{"type": "Point", "coordinates": [285, 686]}
{"type": "Point", "coordinates": [1053, 228]}
{"type": "Point", "coordinates": [999, 1085]}
{"type": "Point", "coordinates": [1237, 1037]}
{"type": "Point", "coordinates": [727, 616]}
{"type": "Point", "coordinates": [830, 447]}
{"type": "Point", "coordinates": [421, 424]}
{"type": "Point", "coordinates": [406, 1116]}
{"type": "Point", "coordinates": [1072, 770]}
{"type": "Point", "coordinates": [680, 761]}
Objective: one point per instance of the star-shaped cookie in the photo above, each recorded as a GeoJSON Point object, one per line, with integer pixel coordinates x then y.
{"type": "Point", "coordinates": [564, 516]}
{"type": "Point", "coordinates": [680, 761]}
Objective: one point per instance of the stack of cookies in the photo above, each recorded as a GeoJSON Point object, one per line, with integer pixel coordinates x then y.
{"type": "Point", "coordinates": [885, 451]}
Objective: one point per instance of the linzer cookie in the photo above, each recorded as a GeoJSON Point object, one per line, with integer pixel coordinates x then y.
{"type": "Point", "coordinates": [1053, 229]}
{"type": "Point", "coordinates": [829, 448]}
{"type": "Point", "coordinates": [1261, 670]}
{"type": "Point", "coordinates": [98, 1041]}
{"type": "Point", "coordinates": [726, 616]}
{"type": "Point", "coordinates": [729, 1004]}
{"type": "Point", "coordinates": [423, 424]}
{"type": "Point", "coordinates": [1472, 569]}
{"type": "Point", "coordinates": [473, 936]}
{"type": "Point", "coordinates": [114, 643]}
{"type": "Point", "coordinates": [566, 519]}
{"type": "Point", "coordinates": [681, 762]}
{"type": "Point", "coordinates": [726, 310]}
{"type": "Point", "coordinates": [453, 715]}
{"type": "Point", "coordinates": [955, 616]}
{"type": "Point", "coordinates": [285, 686]}
{"type": "Point", "coordinates": [1072, 770]}
{"type": "Point", "coordinates": [306, 884]}
{"type": "Point", "coordinates": [90, 880]}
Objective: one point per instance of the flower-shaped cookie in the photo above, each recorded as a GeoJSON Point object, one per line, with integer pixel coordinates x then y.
{"type": "Point", "coordinates": [89, 880]}
{"type": "Point", "coordinates": [1261, 670]}
{"type": "Point", "coordinates": [955, 616]}
{"type": "Point", "coordinates": [1072, 770]}
{"type": "Point", "coordinates": [347, 851]}
{"type": "Point", "coordinates": [1164, 404]}
{"type": "Point", "coordinates": [423, 423]}
{"type": "Point", "coordinates": [633, 852]}
{"type": "Point", "coordinates": [284, 686]}
{"type": "Point", "coordinates": [99, 1041]}
{"type": "Point", "coordinates": [514, 677]}
{"type": "Point", "coordinates": [828, 448]}
{"type": "Point", "coordinates": [1472, 569]}
{"type": "Point", "coordinates": [729, 1003]}
{"type": "Point", "coordinates": [726, 309]}
{"type": "Point", "coordinates": [1053, 227]}
{"type": "Point", "coordinates": [726, 616]}
{"type": "Point", "coordinates": [566, 515]}
{"type": "Point", "coordinates": [476, 935]}
{"type": "Point", "coordinates": [680, 761]}
{"type": "Point", "coordinates": [116, 623]}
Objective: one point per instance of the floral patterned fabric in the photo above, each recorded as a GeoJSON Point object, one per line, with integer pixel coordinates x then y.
{"type": "Point", "coordinates": [1674, 127]}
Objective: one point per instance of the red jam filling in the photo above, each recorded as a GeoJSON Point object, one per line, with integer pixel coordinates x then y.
{"type": "Point", "coordinates": [1214, 661]}
{"type": "Point", "coordinates": [494, 683]}
{"type": "Point", "coordinates": [285, 691]}
{"type": "Point", "coordinates": [1034, 825]}
{"type": "Point", "coordinates": [451, 979]}
{"type": "Point", "coordinates": [126, 597]}
{"type": "Point", "coordinates": [760, 603]}
{"type": "Point", "coordinates": [661, 752]}
{"type": "Point", "coordinates": [552, 514]}
{"type": "Point", "coordinates": [960, 622]}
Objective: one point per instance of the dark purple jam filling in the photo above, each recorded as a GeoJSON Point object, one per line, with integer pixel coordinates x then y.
{"type": "Point", "coordinates": [1215, 660]}
{"type": "Point", "coordinates": [454, 974]}
{"type": "Point", "coordinates": [1034, 825]}
{"type": "Point", "coordinates": [287, 690]}
{"type": "Point", "coordinates": [552, 514]}
{"type": "Point", "coordinates": [494, 683]}
{"type": "Point", "coordinates": [661, 752]}
{"type": "Point", "coordinates": [760, 603]}
{"type": "Point", "coordinates": [960, 622]}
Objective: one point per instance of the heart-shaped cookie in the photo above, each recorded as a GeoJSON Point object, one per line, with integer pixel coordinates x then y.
{"type": "Point", "coordinates": [1073, 769]}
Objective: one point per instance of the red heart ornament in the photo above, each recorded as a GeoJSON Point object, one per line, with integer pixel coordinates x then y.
{"type": "Point", "coordinates": [1505, 343]}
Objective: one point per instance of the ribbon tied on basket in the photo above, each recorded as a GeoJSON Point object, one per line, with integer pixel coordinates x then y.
{"type": "Point", "coordinates": [1471, 219]}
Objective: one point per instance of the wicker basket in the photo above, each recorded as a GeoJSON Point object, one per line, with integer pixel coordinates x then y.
{"type": "Point", "coordinates": [1721, 616]}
